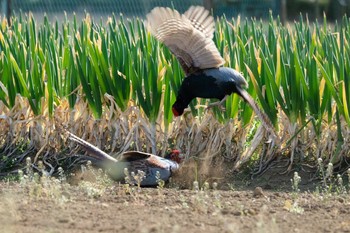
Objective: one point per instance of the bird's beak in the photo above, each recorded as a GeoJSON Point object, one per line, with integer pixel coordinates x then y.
{"type": "Point", "coordinates": [181, 157]}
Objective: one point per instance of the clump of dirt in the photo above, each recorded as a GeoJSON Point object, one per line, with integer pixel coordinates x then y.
{"type": "Point", "coordinates": [198, 170]}
{"type": "Point", "coordinates": [220, 171]}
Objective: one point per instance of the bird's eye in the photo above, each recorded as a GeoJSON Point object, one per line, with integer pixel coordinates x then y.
{"type": "Point", "coordinates": [174, 158]}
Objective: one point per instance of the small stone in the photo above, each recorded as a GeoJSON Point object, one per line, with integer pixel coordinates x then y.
{"type": "Point", "coordinates": [277, 194]}
{"type": "Point", "coordinates": [251, 212]}
{"type": "Point", "coordinates": [105, 205]}
{"type": "Point", "coordinates": [225, 211]}
{"type": "Point", "coordinates": [237, 213]}
{"type": "Point", "coordinates": [153, 229]}
{"type": "Point", "coordinates": [63, 220]}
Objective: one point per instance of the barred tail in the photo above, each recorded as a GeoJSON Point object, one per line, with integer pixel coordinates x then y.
{"type": "Point", "coordinates": [92, 150]}
{"type": "Point", "coordinates": [264, 118]}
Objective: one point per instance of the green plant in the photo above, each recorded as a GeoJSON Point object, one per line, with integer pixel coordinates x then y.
{"type": "Point", "coordinates": [295, 182]}
{"type": "Point", "coordinates": [115, 77]}
{"type": "Point", "coordinates": [160, 182]}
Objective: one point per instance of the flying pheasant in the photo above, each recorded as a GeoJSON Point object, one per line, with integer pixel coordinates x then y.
{"type": "Point", "coordinates": [189, 37]}
{"type": "Point", "coordinates": [134, 161]}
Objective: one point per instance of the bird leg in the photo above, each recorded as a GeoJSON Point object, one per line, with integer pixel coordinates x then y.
{"type": "Point", "coordinates": [218, 103]}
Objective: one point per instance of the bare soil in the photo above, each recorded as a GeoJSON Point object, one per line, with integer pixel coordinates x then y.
{"type": "Point", "coordinates": [251, 206]}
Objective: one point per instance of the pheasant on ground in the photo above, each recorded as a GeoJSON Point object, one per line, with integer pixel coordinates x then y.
{"type": "Point", "coordinates": [189, 37]}
{"type": "Point", "coordinates": [134, 161]}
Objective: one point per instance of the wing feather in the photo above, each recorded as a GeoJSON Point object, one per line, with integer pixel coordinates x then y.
{"type": "Point", "coordinates": [154, 162]}
{"type": "Point", "coordinates": [188, 36]}
{"type": "Point", "coordinates": [140, 159]}
{"type": "Point", "coordinates": [134, 155]}
{"type": "Point", "coordinates": [201, 20]}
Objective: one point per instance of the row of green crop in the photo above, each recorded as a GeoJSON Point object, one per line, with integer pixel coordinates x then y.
{"type": "Point", "coordinates": [301, 70]}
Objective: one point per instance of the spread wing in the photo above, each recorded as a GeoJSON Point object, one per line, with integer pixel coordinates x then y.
{"type": "Point", "coordinates": [201, 20]}
{"type": "Point", "coordinates": [188, 36]}
{"type": "Point", "coordinates": [142, 160]}
{"type": "Point", "coordinates": [157, 163]}
{"type": "Point", "coordinates": [134, 155]}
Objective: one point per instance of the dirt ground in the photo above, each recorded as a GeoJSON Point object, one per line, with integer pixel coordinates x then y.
{"type": "Point", "coordinates": [112, 207]}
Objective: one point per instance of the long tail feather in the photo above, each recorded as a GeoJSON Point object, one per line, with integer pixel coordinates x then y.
{"type": "Point", "coordinates": [92, 150]}
{"type": "Point", "coordinates": [264, 118]}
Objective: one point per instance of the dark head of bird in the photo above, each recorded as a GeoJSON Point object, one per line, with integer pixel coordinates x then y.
{"type": "Point", "coordinates": [179, 107]}
{"type": "Point", "coordinates": [184, 97]}
{"type": "Point", "coordinates": [175, 156]}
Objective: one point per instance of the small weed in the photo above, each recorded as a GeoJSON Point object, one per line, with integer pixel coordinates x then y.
{"type": "Point", "coordinates": [293, 207]}
{"type": "Point", "coordinates": [329, 172]}
{"type": "Point", "coordinates": [92, 189]}
{"type": "Point", "coordinates": [195, 186]}
{"type": "Point", "coordinates": [340, 188]}
{"type": "Point", "coordinates": [183, 201]}
{"type": "Point", "coordinates": [138, 177]}
{"type": "Point", "coordinates": [40, 184]}
{"type": "Point", "coordinates": [215, 186]}
{"type": "Point", "coordinates": [203, 200]}
{"type": "Point", "coordinates": [161, 184]}
{"type": "Point", "coordinates": [205, 186]}
{"type": "Point", "coordinates": [29, 169]}
{"type": "Point", "coordinates": [99, 186]}
{"type": "Point", "coordinates": [295, 182]}
{"type": "Point", "coordinates": [61, 175]}
{"type": "Point", "coordinates": [133, 182]}
{"type": "Point", "coordinates": [127, 177]}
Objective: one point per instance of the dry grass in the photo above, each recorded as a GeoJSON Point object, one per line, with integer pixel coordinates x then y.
{"type": "Point", "coordinates": [43, 138]}
{"type": "Point", "coordinates": [205, 142]}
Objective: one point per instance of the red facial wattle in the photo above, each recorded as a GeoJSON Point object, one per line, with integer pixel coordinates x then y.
{"type": "Point", "coordinates": [175, 156]}
{"type": "Point", "coordinates": [175, 112]}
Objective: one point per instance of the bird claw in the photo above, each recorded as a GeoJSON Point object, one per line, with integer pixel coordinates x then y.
{"type": "Point", "coordinates": [222, 108]}
{"type": "Point", "coordinates": [218, 104]}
